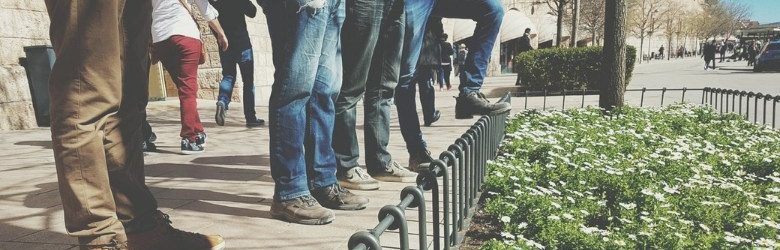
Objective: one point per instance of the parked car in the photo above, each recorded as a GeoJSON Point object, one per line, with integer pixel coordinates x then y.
{"type": "Point", "coordinates": [769, 58]}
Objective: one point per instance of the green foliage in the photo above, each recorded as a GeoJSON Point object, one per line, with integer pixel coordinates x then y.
{"type": "Point", "coordinates": [557, 69]}
{"type": "Point", "coordinates": [680, 177]}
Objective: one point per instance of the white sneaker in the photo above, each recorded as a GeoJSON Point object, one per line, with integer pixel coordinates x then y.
{"type": "Point", "coordinates": [357, 179]}
{"type": "Point", "coordinates": [395, 173]}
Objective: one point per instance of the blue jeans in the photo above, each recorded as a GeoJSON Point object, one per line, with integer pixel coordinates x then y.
{"type": "Point", "coordinates": [487, 13]}
{"type": "Point", "coordinates": [372, 39]}
{"type": "Point", "coordinates": [307, 80]}
{"type": "Point", "coordinates": [424, 79]}
{"type": "Point", "coordinates": [246, 64]}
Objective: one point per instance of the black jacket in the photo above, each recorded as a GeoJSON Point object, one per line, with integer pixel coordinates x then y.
{"type": "Point", "coordinates": [447, 52]}
{"type": "Point", "coordinates": [525, 43]}
{"type": "Point", "coordinates": [231, 18]}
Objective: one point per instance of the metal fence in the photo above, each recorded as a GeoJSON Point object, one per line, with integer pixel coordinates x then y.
{"type": "Point", "coordinates": [754, 107]}
{"type": "Point", "coordinates": [466, 158]}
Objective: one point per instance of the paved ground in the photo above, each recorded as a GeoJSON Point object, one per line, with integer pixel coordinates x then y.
{"type": "Point", "coordinates": [228, 189]}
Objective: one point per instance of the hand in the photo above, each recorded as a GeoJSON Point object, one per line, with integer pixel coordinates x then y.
{"type": "Point", "coordinates": [223, 42]}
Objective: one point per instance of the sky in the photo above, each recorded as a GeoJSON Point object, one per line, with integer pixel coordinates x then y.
{"type": "Point", "coordinates": [764, 11]}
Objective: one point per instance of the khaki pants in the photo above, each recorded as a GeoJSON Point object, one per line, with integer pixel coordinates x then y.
{"type": "Point", "coordinates": [99, 92]}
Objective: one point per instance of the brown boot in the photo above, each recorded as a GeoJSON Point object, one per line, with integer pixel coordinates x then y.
{"type": "Point", "coordinates": [165, 237]}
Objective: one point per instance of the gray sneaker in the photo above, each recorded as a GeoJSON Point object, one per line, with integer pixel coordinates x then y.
{"type": "Point", "coordinates": [357, 179]}
{"type": "Point", "coordinates": [302, 210]}
{"type": "Point", "coordinates": [474, 103]}
{"type": "Point", "coordinates": [394, 173]}
{"type": "Point", "coordinates": [336, 197]}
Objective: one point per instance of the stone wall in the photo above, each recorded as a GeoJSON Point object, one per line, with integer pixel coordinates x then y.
{"type": "Point", "coordinates": [22, 23]}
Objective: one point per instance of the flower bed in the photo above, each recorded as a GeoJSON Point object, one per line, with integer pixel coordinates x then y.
{"type": "Point", "coordinates": [681, 177]}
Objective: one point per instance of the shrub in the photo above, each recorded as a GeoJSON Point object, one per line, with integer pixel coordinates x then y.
{"type": "Point", "coordinates": [557, 69]}
{"type": "Point", "coordinates": [680, 177]}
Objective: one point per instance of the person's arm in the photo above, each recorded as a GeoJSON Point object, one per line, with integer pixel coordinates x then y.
{"type": "Point", "coordinates": [251, 10]}
{"type": "Point", "coordinates": [210, 14]}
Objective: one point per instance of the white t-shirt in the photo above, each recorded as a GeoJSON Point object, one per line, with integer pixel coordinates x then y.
{"type": "Point", "coordinates": [169, 17]}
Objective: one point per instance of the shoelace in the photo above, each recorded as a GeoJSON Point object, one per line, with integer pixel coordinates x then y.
{"type": "Point", "coordinates": [361, 173]}
{"type": "Point", "coordinates": [309, 201]}
{"type": "Point", "coordinates": [180, 234]}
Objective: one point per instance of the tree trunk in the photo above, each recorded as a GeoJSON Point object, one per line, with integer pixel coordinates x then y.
{"type": "Point", "coordinates": [593, 38]}
{"type": "Point", "coordinates": [641, 45]}
{"type": "Point", "coordinates": [575, 22]}
{"type": "Point", "coordinates": [613, 85]}
{"type": "Point", "coordinates": [559, 23]}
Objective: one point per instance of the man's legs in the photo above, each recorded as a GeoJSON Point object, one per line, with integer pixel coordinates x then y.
{"type": "Point", "coordinates": [247, 66]}
{"type": "Point", "coordinates": [180, 55]}
{"type": "Point", "coordinates": [428, 94]}
{"type": "Point", "coordinates": [371, 62]}
{"type": "Point", "coordinates": [88, 43]}
{"type": "Point", "coordinates": [228, 60]}
{"type": "Point", "coordinates": [488, 14]}
{"type": "Point", "coordinates": [446, 74]}
{"type": "Point", "coordinates": [417, 13]}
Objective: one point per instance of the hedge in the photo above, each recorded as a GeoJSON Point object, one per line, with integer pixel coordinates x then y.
{"type": "Point", "coordinates": [557, 69]}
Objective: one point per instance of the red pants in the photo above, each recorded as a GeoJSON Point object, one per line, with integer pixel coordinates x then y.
{"type": "Point", "coordinates": [180, 55]}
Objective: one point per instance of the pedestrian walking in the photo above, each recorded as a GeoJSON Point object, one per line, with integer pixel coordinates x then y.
{"type": "Point", "coordinates": [371, 41]}
{"type": "Point", "coordinates": [708, 53]}
{"type": "Point", "coordinates": [722, 51]}
{"type": "Point", "coordinates": [231, 16]}
{"type": "Point", "coordinates": [306, 57]}
{"type": "Point", "coordinates": [661, 52]}
{"type": "Point", "coordinates": [447, 51]}
{"type": "Point", "coordinates": [99, 87]}
{"type": "Point", "coordinates": [177, 44]}
{"type": "Point", "coordinates": [460, 58]}
{"type": "Point", "coordinates": [488, 15]}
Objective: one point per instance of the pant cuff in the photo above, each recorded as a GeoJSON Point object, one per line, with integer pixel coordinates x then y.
{"type": "Point", "coordinates": [288, 197]}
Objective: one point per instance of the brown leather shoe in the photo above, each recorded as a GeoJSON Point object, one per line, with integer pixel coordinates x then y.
{"type": "Point", "coordinates": [165, 237]}
{"type": "Point", "coordinates": [336, 197]}
{"type": "Point", "coordinates": [302, 210]}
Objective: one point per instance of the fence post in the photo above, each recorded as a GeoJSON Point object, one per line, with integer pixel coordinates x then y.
{"type": "Point", "coordinates": [419, 203]}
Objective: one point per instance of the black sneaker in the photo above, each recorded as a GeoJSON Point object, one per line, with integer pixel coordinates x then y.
{"type": "Point", "coordinates": [418, 158]}
{"type": "Point", "coordinates": [253, 123]}
{"type": "Point", "coordinates": [189, 147]}
{"type": "Point", "coordinates": [336, 197]}
{"type": "Point", "coordinates": [147, 146]}
{"type": "Point", "coordinates": [200, 138]}
{"type": "Point", "coordinates": [475, 103]}
{"type": "Point", "coordinates": [436, 116]}
{"type": "Point", "coordinates": [221, 113]}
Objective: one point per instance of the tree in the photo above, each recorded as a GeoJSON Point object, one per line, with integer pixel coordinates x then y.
{"type": "Point", "coordinates": [671, 24]}
{"type": "Point", "coordinates": [593, 19]}
{"type": "Point", "coordinates": [614, 66]}
{"type": "Point", "coordinates": [558, 9]}
{"type": "Point", "coordinates": [575, 19]}
{"type": "Point", "coordinates": [643, 19]}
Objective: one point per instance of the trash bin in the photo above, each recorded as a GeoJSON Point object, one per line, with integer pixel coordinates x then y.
{"type": "Point", "coordinates": [38, 64]}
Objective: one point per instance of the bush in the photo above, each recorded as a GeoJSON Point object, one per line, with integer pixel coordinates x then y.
{"type": "Point", "coordinates": [557, 69]}
{"type": "Point", "coordinates": [679, 177]}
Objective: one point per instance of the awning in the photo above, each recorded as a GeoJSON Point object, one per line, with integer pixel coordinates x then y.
{"type": "Point", "coordinates": [513, 25]}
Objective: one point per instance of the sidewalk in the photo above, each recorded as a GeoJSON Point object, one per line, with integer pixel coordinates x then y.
{"type": "Point", "coordinates": [226, 190]}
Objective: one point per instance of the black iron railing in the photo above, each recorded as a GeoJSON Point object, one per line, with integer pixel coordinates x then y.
{"type": "Point", "coordinates": [466, 159]}
{"type": "Point", "coordinates": [755, 107]}
{"type": "Point", "coordinates": [462, 165]}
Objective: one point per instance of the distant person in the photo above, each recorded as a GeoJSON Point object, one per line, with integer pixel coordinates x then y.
{"type": "Point", "coordinates": [752, 53]}
{"type": "Point", "coordinates": [525, 46]}
{"type": "Point", "coordinates": [661, 52]}
{"type": "Point", "coordinates": [460, 59]}
{"type": "Point", "coordinates": [231, 16]}
{"type": "Point", "coordinates": [708, 53]}
{"type": "Point", "coordinates": [447, 51]}
{"type": "Point", "coordinates": [722, 50]}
